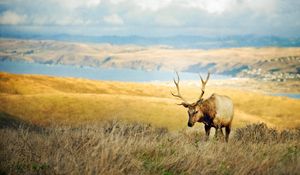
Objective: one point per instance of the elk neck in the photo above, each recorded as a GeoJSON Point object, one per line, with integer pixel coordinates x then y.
{"type": "Point", "coordinates": [208, 109]}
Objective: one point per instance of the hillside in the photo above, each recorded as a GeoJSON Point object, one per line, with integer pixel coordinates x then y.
{"type": "Point", "coordinates": [179, 41]}
{"type": "Point", "coordinates": [103, 149]}
{"type": "Point", "coordinates": [269, 63]}
{"type": "Point", "coordinates": [45, 100]}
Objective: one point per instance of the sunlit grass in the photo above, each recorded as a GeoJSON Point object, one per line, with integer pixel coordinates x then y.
{"type": "Point", "coordinates": [44, 100]}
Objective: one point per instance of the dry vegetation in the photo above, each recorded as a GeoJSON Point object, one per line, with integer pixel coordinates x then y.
{"type": "Point", "coordinates": [54, 125]}
{"type": "Point", "coordinates": [130, 148]}
{"type": "Point", "coordinates": [44, 100]}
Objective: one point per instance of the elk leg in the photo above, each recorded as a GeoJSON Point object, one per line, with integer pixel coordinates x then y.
{"type": "Point", "coordinates": [207, 131]}
{"type": "Point", "coordinates": [227, 129]}
{"type": "Point", "coordinates": [221, 131]}
{"type": "Point", "coordinates": [216, 134]}
{"type": "Point", "coordinates": [218, 129]}
{"type": "Point", "coordinates": [217, 124]}
{"type": "Point", "coordinates": [222, 134]}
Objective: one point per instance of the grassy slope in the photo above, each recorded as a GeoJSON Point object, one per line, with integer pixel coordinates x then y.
{"type": "Point", "coordinates": [133, 148]}
{"type": "Point", "coordinates": [45, 100]}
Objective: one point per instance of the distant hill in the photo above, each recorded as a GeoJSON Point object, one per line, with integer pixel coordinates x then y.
{"type": "Point", "coordinates": [180, 41]}
{"type": "Point", "coordinates": [270, 63]}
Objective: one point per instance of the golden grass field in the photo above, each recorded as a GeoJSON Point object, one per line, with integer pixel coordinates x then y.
{"type": "Point", "coordinates": [46, 100]}
{"type": "Point", "coordinates": [51, 125]}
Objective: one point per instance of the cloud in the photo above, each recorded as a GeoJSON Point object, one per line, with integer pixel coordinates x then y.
{"type": "Point", "coordinates": [116, 1]}
{"type": "Point", "coordinates": [167, 21]}
{"type": "Point", "coordinates": [113, 19]}
{"type": "Point", "coordinates": [214, 7]}
{"type": "Point", "coordinates": [152, 5]}
{"type": "Point", "coordinates": [74, 4]}
{"type": "Point", "coordinates": [11, 18]}
{"type": "Point", "coordinates": [92, 3]}
{"type": "Point", "coordinates": [164, 17]}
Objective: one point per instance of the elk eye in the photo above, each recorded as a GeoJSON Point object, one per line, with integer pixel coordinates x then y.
{"type": "Point", "coordinates": [195, 112]}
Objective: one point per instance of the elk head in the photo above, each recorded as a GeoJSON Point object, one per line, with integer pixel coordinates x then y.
{"type": "Point", "coordinates": [194, 109]}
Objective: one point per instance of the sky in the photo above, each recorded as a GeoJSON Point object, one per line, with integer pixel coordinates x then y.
{"type": "Point", "coordinates": [152, 17]}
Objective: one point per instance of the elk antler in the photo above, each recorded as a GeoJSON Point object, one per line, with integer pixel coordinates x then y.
{"type": "Point", "coordinates": [203, 84]}
{"type": "Point", "coordinates": [178, 95]}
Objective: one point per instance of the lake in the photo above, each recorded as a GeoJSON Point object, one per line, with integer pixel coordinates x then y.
{"type": "Point", "coordinates": [127, 75]}
{"type": "Point", "coordinates": [130, 75]}
{"type": "Point", "coordinates": [296, 96]}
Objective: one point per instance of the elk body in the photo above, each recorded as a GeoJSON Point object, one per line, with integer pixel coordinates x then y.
{"type": "Point", "coordinates": [216, 111]}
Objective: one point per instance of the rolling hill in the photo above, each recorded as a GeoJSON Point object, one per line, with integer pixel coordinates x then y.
{"type": "Point", "coordinates": [45, 100]}
{"type": "Point", "coordinates": [270, 63]}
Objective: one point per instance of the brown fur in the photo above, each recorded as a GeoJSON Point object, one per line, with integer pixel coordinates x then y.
{"type": "Point", "coordinates": [205, 111]}
{"type": "Point", "coordinates": [208, 107]}
{"type": "Point", "coordinates": [216, 111]}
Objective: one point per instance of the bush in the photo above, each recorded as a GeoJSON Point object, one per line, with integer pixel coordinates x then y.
{"type": "Point", "coordinates": [260, 133]}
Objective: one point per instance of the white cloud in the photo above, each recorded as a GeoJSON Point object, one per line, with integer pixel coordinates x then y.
{"type": "Point", "coordinates": [12, 18]}
{"type": "Point", "coordinates": [92, 3]}
{"type": "Point", "coordinates": [65, 21]}
{"type": "Point", "coordinates": [167, 21]}
{"type": "Point", "coordinates": [61, 21]}
{"type": "Point", "coordinates": [116, 1]}
{"type": "Point", "coordinates": [152, 5]}
{"type": "Point", "coordinates": [217, 6]}
{"type": "Point", "coordinates": [74, 4]}
{"type": "Point", "coordinates": [113, 19]}
{"type": "Point", "coordinates": [168, 16]}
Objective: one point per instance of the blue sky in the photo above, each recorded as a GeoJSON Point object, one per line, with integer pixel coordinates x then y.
{"type": "Point", "coordinates": [153, 17]}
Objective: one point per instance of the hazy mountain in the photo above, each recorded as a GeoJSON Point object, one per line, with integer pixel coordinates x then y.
{"type": "Point", "coordinates": [203, 42]}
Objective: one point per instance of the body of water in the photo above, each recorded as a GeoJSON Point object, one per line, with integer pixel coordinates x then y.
{"type": "Point", "coordinates": [296, 96]}
{"type": "Point", "coordinates": [127, 75]}
{"type": "Point", "coordinates": [96, 73]}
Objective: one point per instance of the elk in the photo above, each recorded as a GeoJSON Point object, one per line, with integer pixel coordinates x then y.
{"type": "Point", "coordinates": [216, 111]}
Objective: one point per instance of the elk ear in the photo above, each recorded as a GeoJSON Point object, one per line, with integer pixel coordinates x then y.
{"type": "Point", "coordinates": [184, 104]}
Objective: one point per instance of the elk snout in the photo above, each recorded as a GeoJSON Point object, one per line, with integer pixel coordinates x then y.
{"type": "Point", "coordinates": [190, 124]}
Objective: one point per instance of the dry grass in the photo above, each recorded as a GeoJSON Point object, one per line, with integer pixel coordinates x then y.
{"type": "Point", "coordinates": [73, 126]}
{"type": "Point", "coordinates": [116, 147]}
{"type": "Point", "coordinates": [44, 100]}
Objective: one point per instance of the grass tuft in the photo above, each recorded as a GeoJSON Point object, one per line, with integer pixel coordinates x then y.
{"type": "Point", "coordinates": [118, 147]}
{"type": "Point", "coordinates": [260, 133]}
